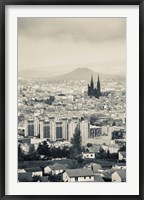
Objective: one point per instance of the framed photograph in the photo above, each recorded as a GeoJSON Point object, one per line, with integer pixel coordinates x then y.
{"type": "Point", "coordinates": [71, 99]}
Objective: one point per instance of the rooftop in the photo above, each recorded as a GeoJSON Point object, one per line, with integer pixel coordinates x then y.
{"type": "Point", "coordinates": [57, 166]}
{"type": "Point", "coordinates": [123, 153]}
{"type": "Point", "coordinates": [79, 172]}
{"type": "Point", "coordinates": [122, 174]}
{"type": "Point", "coordinates": [98, 178]}
{"type": "Point", "coordinates": [33, 169]}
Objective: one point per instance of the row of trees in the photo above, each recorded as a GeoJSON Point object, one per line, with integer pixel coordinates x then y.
{"type": "Point", "coordinates": [106, 154]}
{"type": "Point", "coordinates": [48, 178]}
{"type": "Point", "coordinates": [43, 150]}
{"type": "Point", "coordinates": [51, 152]}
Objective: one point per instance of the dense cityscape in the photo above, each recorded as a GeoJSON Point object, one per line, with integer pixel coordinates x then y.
{"type": "Point", "coordinates": [72, 130]}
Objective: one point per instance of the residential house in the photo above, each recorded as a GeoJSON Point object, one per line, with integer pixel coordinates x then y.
{"type": "Point", "coordinates": [107, 174]}
{"type": "Point", "coordinates": [78, 175]}
{"type": "Point", "coordinates": [98, 178]}
{"type": "Point", "coordinates": [96, 167]}
{"type": "Point", "coordinates": [90, 155]}
{"type": "Point", "coordinates": [119, 166]}
{"type": "Point", "coordinates": [112, 148]}
{"type": "Point", "coordinates": [55, 168]}
{"type": "Point", "coordinates": [35, 171]}
{"type": "Point", "coordinates": [25, 177]}
{"type": "Point", "coordinates": [21, 171]}
{"type": "Point", "coordinates": [122, 156]}
{"type": "Point", "coordinates": [119, 176]}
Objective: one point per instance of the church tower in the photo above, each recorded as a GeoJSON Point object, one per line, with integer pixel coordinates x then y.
{"type": "Point", "coordinates": [98, 86]}
{"type": "Point", "coordinates": [92, 91]}
{"type": "Point", "coordinates": [92, 83]}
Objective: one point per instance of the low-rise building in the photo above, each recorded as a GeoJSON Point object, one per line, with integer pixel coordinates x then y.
{"type": "Point", "coordinates": [98, 178]}
{"type": "Point", "coordinates": [119, 166]}
{"type": "Point", "coordinates": [122, 156]}
{"type": "Point", "coordinates": [96, 167]}
{"type": "Point", "coordinates": [89, 155]}
{"type": "Point", "coordinates": [119, 176]}
{"type": "Point", "coordinates": [55, 169]}
{"type": "Point", "coordinates": [78, 175]}
{"type": "Point", "coordinates": [35, 171]}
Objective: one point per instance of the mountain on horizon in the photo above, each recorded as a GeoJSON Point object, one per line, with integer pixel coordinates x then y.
{"type": "Point", "coordinates": [77, 74]}
{"type": "Point", "coordinates": [83, 74]}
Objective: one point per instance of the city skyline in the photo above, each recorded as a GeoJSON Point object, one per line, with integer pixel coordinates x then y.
{"type": "Point", "coordinates": [72, 100]}
{"type": "Point", "coordinates": [60, 45]}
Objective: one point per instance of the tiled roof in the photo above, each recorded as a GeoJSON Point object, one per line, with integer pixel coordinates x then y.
{"type": "Point", "coordinates": [33, 169]}
{"type": "Point", "coordinates": [95, 167]}
{"type": "Point", "coordinates": [122, 174]}
{"type": "Point", "coordinates": [25, 177]}
{"type": "Point", "coordinates": [79, 172]}
{"type": "Point", "coordinates": [120, 164]}
{"type": "Point", "coordinates": [98, 178]}
{"type": "Point", "coordinates": [57, 166]}
{"type": "Point", "coordinates": [123, 153]}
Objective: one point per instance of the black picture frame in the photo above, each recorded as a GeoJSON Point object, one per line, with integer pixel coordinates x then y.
{"type": "Point", "coordinates": [3, 3]}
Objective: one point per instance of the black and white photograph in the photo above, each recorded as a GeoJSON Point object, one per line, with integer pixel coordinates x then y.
{"type": "Point", "coordinates": [71, 121]}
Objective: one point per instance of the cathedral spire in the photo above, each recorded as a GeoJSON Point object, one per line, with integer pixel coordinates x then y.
{"type": "Point", "coordinates": [98, 85]}
{"type": "Point", "coordinates": [98, 78]}
{"type": "Point", "coordinates": [92, 83]}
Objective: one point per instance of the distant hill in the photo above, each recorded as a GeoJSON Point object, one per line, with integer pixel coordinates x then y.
{"type": "Point", "coordinates": [84, 74]}
{"type": "Point", "coordinates": [77, 74]}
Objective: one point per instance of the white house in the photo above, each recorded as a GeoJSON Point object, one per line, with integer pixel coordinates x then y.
{"type": "Point", "coordinates": [78, 175]}
{"type": "Point", "coordinates": [55, 169]}
{"type": "Point", "coordinates": [35, 171]}
{"type": "Point", "coordinates": [21, 171]}
{"type": "Point", "coordinates": [119, 166]}
{"type": "Point", "coordinates": [88, 155]}
{"type": "Point", "coordinates": [113, 148]}
{"type": "Point", "coordinates": [122, 155]}
{"type": "Point", "coordinates": [96, 167]}
{"type": "Point", "coordinates": [119, 176]}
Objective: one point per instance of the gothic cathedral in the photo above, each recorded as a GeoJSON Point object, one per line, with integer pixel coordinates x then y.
{"type": "Point", "coordinates": [94, 91]}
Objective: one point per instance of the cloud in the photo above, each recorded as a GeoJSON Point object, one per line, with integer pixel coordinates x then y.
{"type": "Point", "coordinates": [75, 29]}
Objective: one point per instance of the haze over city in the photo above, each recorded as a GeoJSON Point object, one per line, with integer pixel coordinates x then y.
{"type": "Point", "coordinates": [61, 45]}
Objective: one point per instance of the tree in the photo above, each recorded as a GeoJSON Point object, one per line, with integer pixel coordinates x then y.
{"type": "Point", "coordinates": [20, 153]}
{"type": "Point", "coordinates": [43, 149]}
{"type": "Point", "coordinates": [35, 178]}
{"type": "Point", "coordinates": [80, 162]}
{"type": "Point", "coordinates": [123, 148]}
{"type": "Point", "coordinates": [55, 178]}
{"type": "Point", "coordinates": [33, 154]}
{"type": "Point", "coordinates": [76, 141]}
{"type": "Point", "coordinates": [108, 153]}
{"type": "Point", "coordinates": [102, 153]}
{"type": "Point", "coordinates": [89, 145]}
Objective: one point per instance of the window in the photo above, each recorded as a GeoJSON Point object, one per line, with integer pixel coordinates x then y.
{"type": "Point", "coordinates": [76, 178]}
{"type": "Point", "coordinates": [89, 177]}
{"type": "Point", "coordinates": [46, 130]}
{"type": "Point", "coordinates": [31, 130]}
{"type": "Point", "coordinates": [58, 132]}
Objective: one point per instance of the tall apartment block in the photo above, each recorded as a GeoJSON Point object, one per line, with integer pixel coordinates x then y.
{"type": "Point", "coordinates": [53, 130]}
{"type": "Point", "coordinates": [32, 128]}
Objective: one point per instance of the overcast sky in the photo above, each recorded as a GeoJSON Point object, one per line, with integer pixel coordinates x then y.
{"type": "Point", "coordinates": [60, 45]}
